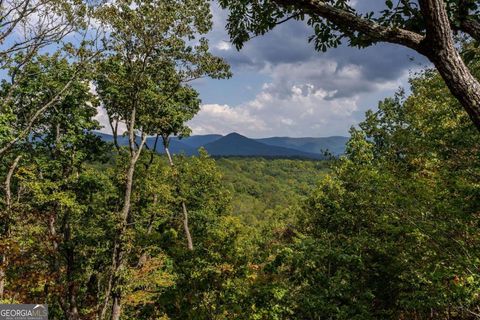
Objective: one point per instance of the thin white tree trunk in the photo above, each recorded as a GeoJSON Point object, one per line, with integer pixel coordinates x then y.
{"type": "Point", "coordinates": [184, 207]}
{"type": "Point", "coordinates": [8, 202]}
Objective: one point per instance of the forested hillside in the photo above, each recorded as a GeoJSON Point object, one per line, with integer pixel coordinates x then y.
{"type": "Point", "coordinates": [262, 188]}
{"type": "Point", "coordinates": [101, 229]}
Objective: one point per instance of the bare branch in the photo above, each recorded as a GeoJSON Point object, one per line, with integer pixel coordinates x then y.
{"type": "Point", "coordinates": [8, 182]}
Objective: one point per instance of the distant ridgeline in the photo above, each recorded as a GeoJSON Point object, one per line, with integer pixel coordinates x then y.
{"type": "Point", "coordinates": [236, 145]}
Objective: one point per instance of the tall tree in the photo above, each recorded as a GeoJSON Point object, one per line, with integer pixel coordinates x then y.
{"type": "Point", "coordinates": [55, 153]}
{"type": "Point", "coordinates": [153, 51]}
{"type": "Point", "coordinates": [171, 117]}
{"type": "Point", "coordinates": [426, 26]}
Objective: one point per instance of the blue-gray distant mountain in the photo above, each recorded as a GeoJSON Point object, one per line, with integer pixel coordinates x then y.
{"type": "Point", "coordinates": [176, 146]}
{"type": "Point", "coordinates": [200, 140]}
{"type": "Point", "coordinates": [334, 145]}
{"type": "Point", "coordinates": [235, 144]}
{"type": "Point", "coordinates": [108, 137]}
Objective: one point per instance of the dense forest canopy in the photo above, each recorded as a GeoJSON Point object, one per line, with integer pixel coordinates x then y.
{"type": "Point", "coordinates": [98, 230]}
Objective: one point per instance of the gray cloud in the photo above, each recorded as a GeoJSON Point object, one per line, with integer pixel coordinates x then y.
{"type": "Point", "coordinates": [288, 44]}
{"type": "Point", "coordinates": [308, 93]}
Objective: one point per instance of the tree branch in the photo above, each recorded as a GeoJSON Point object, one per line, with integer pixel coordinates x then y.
{"type": "Point", "coordinates": [24, 133]}
{"type": "Point", "coordinates": [438, 30]}
{"type": "Point", "coordinates": [32, 120]}
{"type": "Point", "coordinates": [354, 23]}
{"type": "Point", "coordinates": [471, 27]}
{"type": "Point", "coordinates": [8, 190]}
{"type": "Point", "coordinates": [468, 23]}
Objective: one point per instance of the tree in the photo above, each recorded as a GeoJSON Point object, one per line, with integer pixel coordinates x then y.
{"type": "Point", "coordinates": [28, 27]}
{"type": "Point", "coordinates": [53, 163]}
{"type": "Point", "coordinates": [170, 119]}
{"type": "Point", "coordinates": [426, 26]}
{"type": "Point", "coordinates": [153, 51]}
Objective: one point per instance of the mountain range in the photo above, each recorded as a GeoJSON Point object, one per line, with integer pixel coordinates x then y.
{"type": "Point", "coordinates": [235, 144]}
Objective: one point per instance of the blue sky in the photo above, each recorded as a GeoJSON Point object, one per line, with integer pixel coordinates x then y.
{"type": "Point", "coordinates": [282, 87]}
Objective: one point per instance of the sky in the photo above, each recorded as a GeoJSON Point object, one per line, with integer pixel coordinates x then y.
{"type": "Point", "coordinates": [281, 86]}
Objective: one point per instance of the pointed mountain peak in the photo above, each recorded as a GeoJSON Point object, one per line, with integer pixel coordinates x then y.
{"type": "Point", "coordinates": [235, 134]}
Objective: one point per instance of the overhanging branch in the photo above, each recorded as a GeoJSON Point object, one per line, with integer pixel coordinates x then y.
{"type": "Point", "coordinates": [354, 23]}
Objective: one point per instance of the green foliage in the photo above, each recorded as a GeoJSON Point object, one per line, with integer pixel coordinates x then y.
{"type": "Point", "coordinates": [263, 188]}
{"type": "Point", "coordinates": [251, 18]}
{"type": "Point", "coordinates": [154, 51]}
{"type": "Point", "coordinates": [393, 233]}
{"type": "Point", "coordinates": [390, 231]}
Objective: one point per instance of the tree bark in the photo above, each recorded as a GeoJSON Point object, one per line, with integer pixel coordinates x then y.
{"type": "Point", "coordinates": [351, 22]}
{"type": "Point", "coordinates": [439, 47]}
{"type": "Point", "coordinates": [471, 27]}
{"type": "Point", "coordinates": [117, 307]}
{"type": "Point", "coordinates": [186, 227]}
{"type": "Point", "coordinates": [184, 206]}
{"type": "Point", "coordinates": [119, 250]}
{"type": "Point", "coordinates": [52, 219]}
{"type": "Point", "coordinates": [468, 23]}
{"type": "Point", "coordinates": [108, 290]}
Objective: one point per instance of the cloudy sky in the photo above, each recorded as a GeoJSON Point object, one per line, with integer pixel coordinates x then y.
{"type": "Point", "coordinates": [282, 87]}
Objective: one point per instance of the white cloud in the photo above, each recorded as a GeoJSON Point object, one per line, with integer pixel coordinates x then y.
{"type": "Point", "coordinates": [313, 98]}
{"type": "Point", "coordinates": [303, 113]}
{"type": "Point", "coordinates": [223, 46]}
{"type": "Point", "coordinates": [308, 94]}
{"type": "Point", "coordinates": [215, 118]}
{"type": "Point", "coordinates": [102, 118]}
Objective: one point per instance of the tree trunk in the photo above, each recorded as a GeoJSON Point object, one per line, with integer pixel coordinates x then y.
{"type": "Point", "coordinates": [184, 206]}
{"type": "Point", "coordinates": [8, 211]}
{"type": "Point", "coordinates": [439, 47]}
{"type": "Point", "coordinates": [460, 81]}
{"type": "Point", "coordinates": [71, 289]}
{"type": "Point", "coordinates": [118, 252]}
{"type": "Point", "coordinates": [117, 307]}
{"type": "Point", "coordinates": [108, 290]}
{"type": "Point", "coordinates": [3, 266]}
{"type": "Point", "coordinates": [52, 220]}
{"type": "Point", "coordinates": [186, 227]}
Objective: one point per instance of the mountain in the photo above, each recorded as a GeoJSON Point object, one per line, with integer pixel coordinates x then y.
{"type": "Point", "coordinates": [235, 144]}
{"type": "Point", "coordinates": [335, 144]}
{"type": "Point", "coordinates": [200, 140]}
{"type": "Point", "coordinates": [176, 146]}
